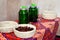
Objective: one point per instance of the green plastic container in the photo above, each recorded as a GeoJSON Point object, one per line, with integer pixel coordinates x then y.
{"type": "Point", "coordinates": [33, 13]}
{"type": "Point", "coordinates": [23, 15]}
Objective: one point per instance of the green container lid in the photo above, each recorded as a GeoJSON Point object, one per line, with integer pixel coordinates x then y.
{"type": "Point", "coordinates": [23, 7]}
{"type": "Point", "coordinates": [33, 5]}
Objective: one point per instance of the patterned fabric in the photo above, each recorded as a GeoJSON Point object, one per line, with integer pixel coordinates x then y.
{"type": "Point", "coordinates": [46, 30]}
{"type": "Point", "coordinates": [2, 37]}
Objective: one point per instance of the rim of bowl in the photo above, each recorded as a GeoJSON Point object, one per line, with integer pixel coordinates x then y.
{"type": "Point", "coordinates": [34, 28]}
{"type": "Point", "coordinates": [13, 22]}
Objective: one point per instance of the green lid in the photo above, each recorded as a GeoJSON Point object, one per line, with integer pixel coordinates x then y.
{"type": "Point", "coordinates": [23, 7]}
{"type": "Point", "coordinates": [33, 5]}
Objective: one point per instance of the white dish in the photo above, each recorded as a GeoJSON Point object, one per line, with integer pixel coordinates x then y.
{"type": "Point", "coordinates": [7, 26]}
{"type": "Point", "coordinates": [49, 14]}
{"type": "Point", "coordinates": [27, 34]}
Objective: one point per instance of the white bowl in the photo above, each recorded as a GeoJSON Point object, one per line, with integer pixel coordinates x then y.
{"type": "Point", "coordinates": [7, 26]}
{"type": "Point", "coordinates": [49, 14]}
{"type": "Point", "coordinates": [27, 34]}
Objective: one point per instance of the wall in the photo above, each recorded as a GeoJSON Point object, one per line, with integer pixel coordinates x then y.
{"type": "Point", "coordinates": [3, 11]}
{"type": "Point", "coordinates": [58, 7]}
{"type": "Point", "coordinates": [9, 8]}
{"type": "Point", "coordinates": [14, 6]}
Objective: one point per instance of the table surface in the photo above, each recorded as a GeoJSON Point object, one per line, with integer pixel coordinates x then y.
{"type": "Point", "coordinates": [45, 29]}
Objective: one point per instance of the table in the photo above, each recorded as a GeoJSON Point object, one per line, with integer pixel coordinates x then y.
{"type": "Point", "coordinates": [46, 30]}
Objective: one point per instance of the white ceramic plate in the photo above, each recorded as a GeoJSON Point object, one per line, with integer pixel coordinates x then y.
{"type": "Point", "coordinates": [7, 26]}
